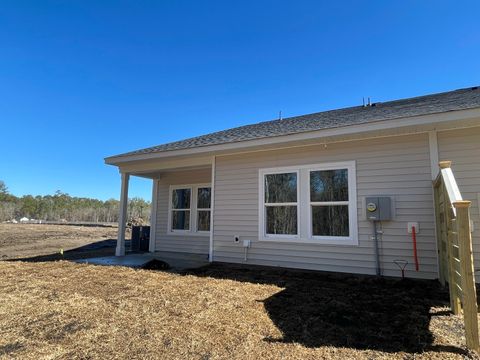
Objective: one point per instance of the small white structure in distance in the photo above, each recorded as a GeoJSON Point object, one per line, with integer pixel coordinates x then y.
{"type": "Point", "coordinates": [24, 220]}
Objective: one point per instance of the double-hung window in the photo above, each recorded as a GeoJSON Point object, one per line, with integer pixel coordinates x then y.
{"type": "Point", "coordinates": [180, 213]}
{"type": "Point", "coordinates": [281, 204]}
{"type": "Point", "coordinates": [189, 210]}
{"type": "Point", "coordinates": [203, 208]}
{"type": "Point", "coordinates": [309, 203]}
{"type": "Point", "coordinates": [329, 203]}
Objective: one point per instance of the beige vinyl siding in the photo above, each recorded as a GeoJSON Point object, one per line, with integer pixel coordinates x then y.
{"type": "Point", "coordinates": [462, 147]}
{"type": "Point", "coordinates": [396, 166]}
{"type": "Point", "coordinates": [196, 244]}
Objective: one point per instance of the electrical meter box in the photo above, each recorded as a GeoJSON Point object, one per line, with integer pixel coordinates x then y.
{"type": "Point", "coordinates": [378, 208]}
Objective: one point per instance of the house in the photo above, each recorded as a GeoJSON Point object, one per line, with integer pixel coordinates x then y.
{"type": "Point", "coordinates": [297, 192]}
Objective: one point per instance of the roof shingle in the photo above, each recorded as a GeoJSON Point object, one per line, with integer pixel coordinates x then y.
{"type": "Point", "coordinates": [424, 105]}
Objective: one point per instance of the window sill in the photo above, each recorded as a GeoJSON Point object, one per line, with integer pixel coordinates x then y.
{"type": "Point", "coordinates": [313, 241]}
{"type": "Point", "coordinates": [188, 233]}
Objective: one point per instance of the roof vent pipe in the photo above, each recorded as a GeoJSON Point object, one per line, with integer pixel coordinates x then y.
{"type": "Point", "coordinates": [369, 103]}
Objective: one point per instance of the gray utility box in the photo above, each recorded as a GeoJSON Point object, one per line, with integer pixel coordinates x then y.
{"type": "Point", "coordinates": [378, 208]}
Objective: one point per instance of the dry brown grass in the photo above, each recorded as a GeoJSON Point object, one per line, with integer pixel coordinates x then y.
{"type": "Point", "coordinates": [71, 311]}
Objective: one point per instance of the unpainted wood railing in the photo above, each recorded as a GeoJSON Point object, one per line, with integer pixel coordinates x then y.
{"type": "Point", "coordinates": [455, 250]}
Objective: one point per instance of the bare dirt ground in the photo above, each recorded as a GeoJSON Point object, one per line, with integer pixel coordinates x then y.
{"type": "Point", "coordinates": [63, 310]}
{"type": "Point", "coordinates": [43, 242]}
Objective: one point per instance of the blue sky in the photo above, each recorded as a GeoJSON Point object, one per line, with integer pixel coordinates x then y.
{"type": "Point", "coordinates": [81, 80]}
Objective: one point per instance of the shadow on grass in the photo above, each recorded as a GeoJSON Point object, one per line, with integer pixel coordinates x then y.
{"type": "Point", "coordinates": [94, 249]}
{"type": "Point", "coordinates": [362, 312]}
{"type": "Point", "coordinates": [8, 349]}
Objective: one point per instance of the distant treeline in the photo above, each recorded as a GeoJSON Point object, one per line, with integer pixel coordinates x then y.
{"type": "Point", "coordinates": [61, 206]}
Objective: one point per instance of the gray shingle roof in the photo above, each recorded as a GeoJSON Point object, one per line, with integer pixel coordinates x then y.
{"type": "Point", "coordinates": [430, 104]}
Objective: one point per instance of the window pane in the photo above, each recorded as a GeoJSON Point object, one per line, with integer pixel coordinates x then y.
{"type": "Point", "coordinates": [181, 220]}
{"type": "Point", "coordinates": [203, 221]}
{"type": "Point", "coordinates": [204, 195]}
{"type": "Point", "coordinates": [330, 220]}
{"type": "Point", "coordinates": [281, 188]}
{"type": "Point", "coordinates": [181, 199]}
{"type": "Point", "coordinates": [281, 220]}
{"type": "Point", "coordinates": [329, 185]}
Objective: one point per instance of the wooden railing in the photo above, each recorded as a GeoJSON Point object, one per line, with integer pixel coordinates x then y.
{"type": "Point", "coordinates": [455, 250]}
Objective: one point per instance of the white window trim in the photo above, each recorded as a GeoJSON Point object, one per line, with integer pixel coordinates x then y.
{"type": "Point", "coordinates": [304, 225]}
{"type": "Point", "coordinates": [197, 209]}
{"type": "Point", "coordinates": [352, 239]}
{"type": "Point", "coordinates": [262, 209]}
{"type": "Point", "coordinates": [193, 210]}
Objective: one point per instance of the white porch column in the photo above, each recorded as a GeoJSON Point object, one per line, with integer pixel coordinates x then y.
{"type": "Point", "coordinates": [122, 218]}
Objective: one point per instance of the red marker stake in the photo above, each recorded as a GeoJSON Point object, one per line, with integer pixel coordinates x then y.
{"type": "Point", "coordinates": [414, 238]}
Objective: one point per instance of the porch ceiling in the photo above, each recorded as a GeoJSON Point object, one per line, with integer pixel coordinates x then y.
{"type": "Point", "coordinates": [153, 168]}
{"type": "Point", "coordinates": [157, 174]}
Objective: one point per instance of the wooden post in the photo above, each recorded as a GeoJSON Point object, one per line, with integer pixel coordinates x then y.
{"type": "Point", "coordinates": [452, 280]}
{"type": "Point", "coordinates": [441, 197]}
{"type": "Point", "coordinates": [445, 164]}
{"type": "Point", "coordinates": [441, 251]}
{"type": "Point", "coordinates": [441, 231]}
{"type": "Point", "coordinates": [467, 273]}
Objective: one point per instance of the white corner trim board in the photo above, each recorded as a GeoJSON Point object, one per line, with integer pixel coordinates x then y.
{"type": "Point", "coordinates": [212, 212]}
{"type": "Point", "coordinates": [153, 216]}
{"type": "Point", "coordinates": [433, 146]}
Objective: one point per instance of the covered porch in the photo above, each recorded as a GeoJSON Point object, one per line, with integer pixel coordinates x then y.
{"type": "Point", "coordinates": [181, 209]}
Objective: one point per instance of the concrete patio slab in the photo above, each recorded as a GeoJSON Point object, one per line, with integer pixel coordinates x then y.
{"type": "Point", "coordinates": [177, 261]}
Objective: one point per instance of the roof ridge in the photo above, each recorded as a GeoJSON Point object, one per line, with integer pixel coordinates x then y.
{"type": "Point", "coordinates": [388, 102]}
{"type": "Point", "coordinates": [459, 99]}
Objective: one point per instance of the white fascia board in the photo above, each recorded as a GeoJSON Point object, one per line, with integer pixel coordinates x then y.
{"type": "Point", "coordinates": [151, 166]}
{"type": "Point", "coordinates": [437, 118]}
